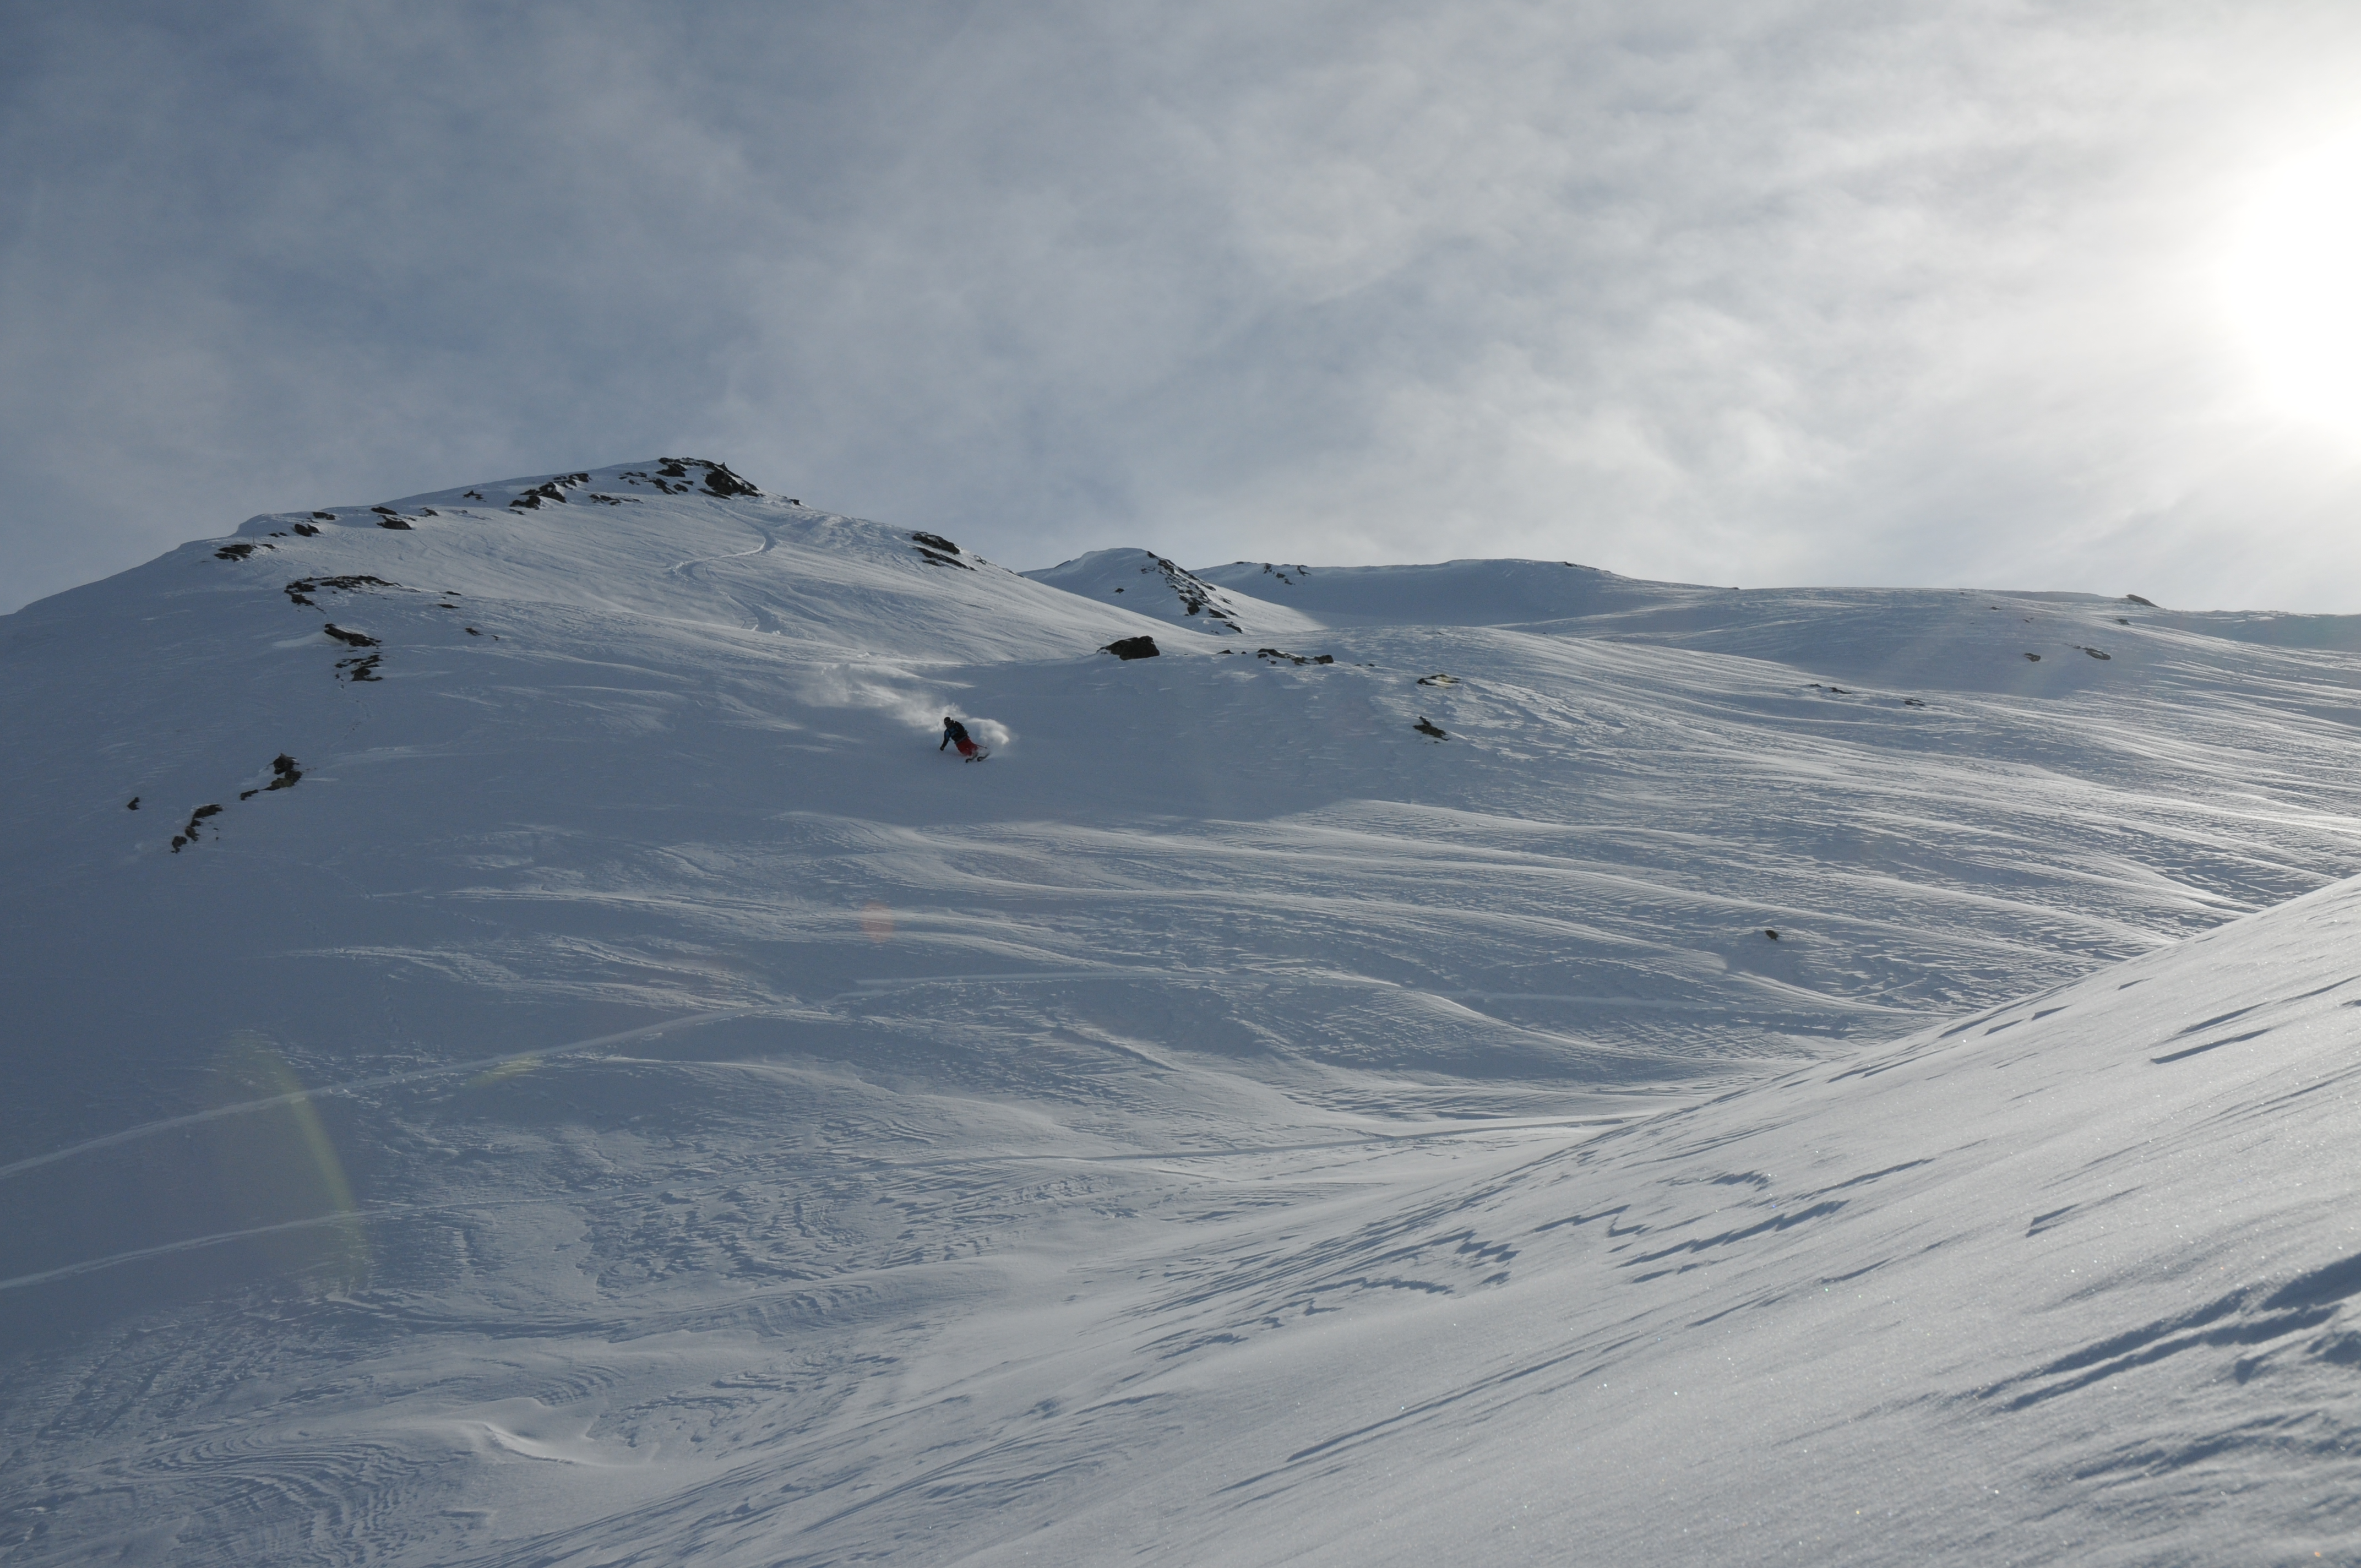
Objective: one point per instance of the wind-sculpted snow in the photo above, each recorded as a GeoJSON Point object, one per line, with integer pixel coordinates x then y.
{"type": "Point", "coordinates": [630, 1097]}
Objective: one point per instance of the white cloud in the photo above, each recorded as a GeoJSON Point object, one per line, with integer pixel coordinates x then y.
{"type": "Point", "coordinates": [1811, 292]}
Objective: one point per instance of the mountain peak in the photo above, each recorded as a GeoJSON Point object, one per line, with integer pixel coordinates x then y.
{"type": "Point", "coordinates": [1147, 584]}
{"type": "Point", "coordinates": [586, 487]}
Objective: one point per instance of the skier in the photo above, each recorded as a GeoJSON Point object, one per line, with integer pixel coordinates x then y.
{"type": "Point", "coordinates": [955, 734]}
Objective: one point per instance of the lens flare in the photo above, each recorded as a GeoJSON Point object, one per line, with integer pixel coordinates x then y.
{"type": "Point", "coordinates": [279, 1173]}
{"type": "Point", "coordinates": [2295, 284]}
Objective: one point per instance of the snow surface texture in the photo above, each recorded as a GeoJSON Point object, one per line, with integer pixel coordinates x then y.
{"type": "Point", "coordinates": [605, 1088]}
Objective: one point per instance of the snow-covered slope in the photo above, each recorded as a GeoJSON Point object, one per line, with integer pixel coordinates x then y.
{"type": "Point", "coordinates": [604, 1087]}
{"type": "Point", "coordinates": [2034, 644]}
{"type": "Point", "coordinates": [1147, 584]}
{"type": "Point", "coordinates": [1450, 593]}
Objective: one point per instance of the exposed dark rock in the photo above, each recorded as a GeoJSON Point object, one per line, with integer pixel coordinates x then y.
{"type": "Point", "coordinates": [719, 478]}
{"type": "Point", "coordinates": [792, 502]}
{"type": "Point", "coordinates": [188, 835]}
{"type": "Point", "coordinates": [384, 512]}
{"type": "Point", "coordinates": [300, 588]}
{"type": "Point", "coordinates": [1423, 728]}
{"type": "Point", "coordinates": [1914, 702]}
{"type": "Point", "coordinates": [351, 638]}
{"type": "Point", "coordinates": [325, 515]}
{"type": "Point", "coordinates": [1438, 680]}
{"type": "Point", "coordinates": [306, 529]}
{"type": "Point", "coordinates": [935, 549]}
{"type": "Point", "coordinates": [1770, 932]}
{"type": "Point", "coordinates": [2135, 599]}
{"type": "Point", "coordinates": [284, 775]}
{"type": "Point", "coordinates": [2035, 657]}
{"type": "Point", "coordinates": [400, 522]}
{"type": "Point", "coordinates": [134, 805]}
{"type": "Point", "coordinates": [1197, 595]}
{"type": "Point", "coordinates": [238, 552]}
{"type": "Point", "coordinates": [722, 482]}
{"type": "Point", "coordinates": [2096, 655]}
{"type": "Point", "coordinates": [548, 490]}
{"type": "Point", "coordinates": [360, 669]}
{"type": "Point", "coordinates": [472, 495]}
{"type": "Point", "coordinates": [473, 633]}
{"type": "Point", "coordinates": [1133, 648]}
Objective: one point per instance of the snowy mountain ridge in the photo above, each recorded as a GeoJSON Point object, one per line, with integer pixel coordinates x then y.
{"type": "Point", "coordinates": [1523, 1063]}
{"type": "Point", "coordinates": [1154, 587]}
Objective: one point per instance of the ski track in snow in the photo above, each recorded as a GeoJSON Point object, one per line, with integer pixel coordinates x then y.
{"type": "Point", "coordinates": [632, 1100]}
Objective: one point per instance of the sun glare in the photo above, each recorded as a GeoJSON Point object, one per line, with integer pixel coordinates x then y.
{"type": "Point", "coordinates": [2295, 284]}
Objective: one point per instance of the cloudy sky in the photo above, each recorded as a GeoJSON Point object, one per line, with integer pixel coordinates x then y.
{"type": "Point", "coordinates": [1951, 291]}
